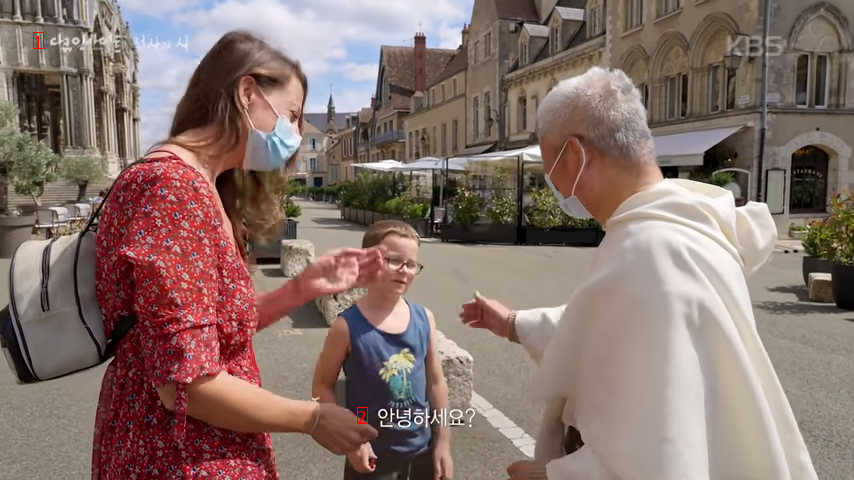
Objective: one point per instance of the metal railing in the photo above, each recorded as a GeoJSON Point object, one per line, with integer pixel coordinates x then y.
{"type": "Point", "coordinates": [390, 136]}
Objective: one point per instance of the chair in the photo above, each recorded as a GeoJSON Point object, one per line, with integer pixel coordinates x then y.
{"type": "Point", "coordinates": [438, 218]}
{"type": "Point", "coordinates": [45, 223]}
{"type": "Point", "coordinates": [78, 214]}
{"type": "Point", "coordinates": [62, 220]}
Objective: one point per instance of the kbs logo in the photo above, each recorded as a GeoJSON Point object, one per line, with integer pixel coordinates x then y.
{"type": "Point", "coordinates": [755, 46]}
{"type": "Point", "coordinates": [362, 415]}
{"type": "Point", "coordinates": [38, 40]}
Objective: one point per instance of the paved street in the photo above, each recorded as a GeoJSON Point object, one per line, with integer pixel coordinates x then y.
{"type": "Point", "coordinates": [46, 429]}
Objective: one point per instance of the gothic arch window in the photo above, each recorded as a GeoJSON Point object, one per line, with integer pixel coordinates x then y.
{"type": "Point", "coordinates": [818, 44]}
{"type": "Point", "coordinates": [635, 63]}
{"type": "Point", "coordinates": [808, 185]}
{"type": "Point", "coordinates": [670, 69]}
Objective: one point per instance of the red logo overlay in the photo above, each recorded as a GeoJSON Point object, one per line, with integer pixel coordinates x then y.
{"type": "Point", "coordinates": [38, 40]}
{"type": "Point", "coordinates": [362, 415]}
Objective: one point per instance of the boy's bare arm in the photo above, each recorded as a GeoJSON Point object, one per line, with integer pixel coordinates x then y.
{"type": "Point", "coordinates": [437, 389]}
{"type": "Point", "coordinates": [331, 359]}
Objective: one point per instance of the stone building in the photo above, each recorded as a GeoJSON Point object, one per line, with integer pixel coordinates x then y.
{"type": "Point", "coordinates": [362, 134]}
{"type": "Point", "coordinates": [403, 72]}
{"type": "Point", "coordinates": [437, 120]}
{"type": "Point", "coordinates": [700, 68]}
{"type": "Point", "coordinates": [347, 137]}
{"type": "Point", "coordinates": [309, 170]}
{"type": "Point", "coordinates": [493, 39]}
{"type": "Point", "coordinates": [566, 43]}
{"type": "Point", "coordinates": [71, 67]}
{"type": "Point", "coordinates": [320, 138]}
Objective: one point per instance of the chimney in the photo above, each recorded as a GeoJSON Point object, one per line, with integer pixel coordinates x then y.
{"type": "Point", "coordinates": [373, 102]}
{"type": "Point", "coordinates": [465, 35]}
{"type": "Point", "coordinates": [420, 62]}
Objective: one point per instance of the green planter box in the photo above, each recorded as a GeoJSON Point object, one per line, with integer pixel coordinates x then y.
{"type": "Point", "coordinates": [570, 236]}
{"type": "Point", "coordinates": [489, 233]}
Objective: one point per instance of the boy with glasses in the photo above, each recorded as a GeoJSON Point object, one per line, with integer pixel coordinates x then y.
{"type": "Point", "coordinates": [387, 348]}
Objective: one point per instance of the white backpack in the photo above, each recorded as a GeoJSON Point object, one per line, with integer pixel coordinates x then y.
{"type": "Point", "coordinates": [53, 325]}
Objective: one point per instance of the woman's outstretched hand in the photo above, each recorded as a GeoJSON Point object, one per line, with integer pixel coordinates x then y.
{"type": "Point", "coordinates": [337, 429]}
{"type": "Point", "coordinates": [339, 271]}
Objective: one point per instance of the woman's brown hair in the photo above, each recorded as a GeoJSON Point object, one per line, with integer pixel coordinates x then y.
{"type": "Point", "coordinates": [212, 101]}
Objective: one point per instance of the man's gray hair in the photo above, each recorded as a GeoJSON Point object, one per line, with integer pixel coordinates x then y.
{"type": "Point", "coordinates": [603, 107]}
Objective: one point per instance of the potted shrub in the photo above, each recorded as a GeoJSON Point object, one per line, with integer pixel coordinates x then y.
{"type": "Point", "coordinates": [549, 225]}
{"type": "Point", "coordinates": [841, 227]}
{"type": "Point", "coordinates": [26, 165]}
{"type": "Point", "coordinates": [817, 244]}
{"type": "Point", "coordinates": [502, 212]}
{"type": "Point", "coordinates": [292, 212]}
{"type": "Point", "coordinates": [465, 212]}
{"type": "Point", "coordinates": [81, 170]}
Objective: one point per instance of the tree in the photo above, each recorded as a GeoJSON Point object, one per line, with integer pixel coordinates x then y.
{"type": "Point", "coordinates": [81, 170]}
{"type": "Point", "coordinates": [26, 164]}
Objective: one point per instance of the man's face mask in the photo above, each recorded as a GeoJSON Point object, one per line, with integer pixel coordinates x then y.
{"type": "Point", "coordinates": [571, 205]}
{"type": "Point", "coordinates": [266, 152]}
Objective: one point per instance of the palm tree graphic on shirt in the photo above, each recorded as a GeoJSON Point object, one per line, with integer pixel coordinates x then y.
{"type": "Point", "coordinates": [395, 372]}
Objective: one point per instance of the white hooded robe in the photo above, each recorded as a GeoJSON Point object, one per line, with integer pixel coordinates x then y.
{"type": "Point", "coordinates": [656, 360]}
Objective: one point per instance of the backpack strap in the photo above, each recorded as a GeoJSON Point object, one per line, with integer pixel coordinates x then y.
{"type": "Point", "coordinates": [125, 324]}
{"type": "Point", "coordinates": [93, 219]}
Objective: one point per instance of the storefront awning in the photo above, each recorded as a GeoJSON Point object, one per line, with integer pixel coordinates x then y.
{"type": "Point", "coordinates": [687, 149]}
{"type": "Point", "coordinates": [475, 150]}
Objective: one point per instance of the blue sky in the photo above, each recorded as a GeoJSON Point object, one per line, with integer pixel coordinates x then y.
{"type": "Point", "coordinates": [336, 41]}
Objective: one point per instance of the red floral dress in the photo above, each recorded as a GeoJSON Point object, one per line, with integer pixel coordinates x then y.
{"type": "Point", "coordinates": [162, 252]}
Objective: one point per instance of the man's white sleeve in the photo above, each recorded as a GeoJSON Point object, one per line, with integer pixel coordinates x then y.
{"type": "Point", "coordinates": [536, 327]}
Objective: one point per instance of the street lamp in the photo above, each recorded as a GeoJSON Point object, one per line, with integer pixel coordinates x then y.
{"type": "Point", "coordinates": [732, 61]}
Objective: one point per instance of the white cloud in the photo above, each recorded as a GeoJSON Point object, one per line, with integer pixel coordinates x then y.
{"type": "Point", "coordinates": [158, 8]}
{"type": "Point", "coordinates": [360, 72]}
{"type": "Point", "coordinates": [318, 33]}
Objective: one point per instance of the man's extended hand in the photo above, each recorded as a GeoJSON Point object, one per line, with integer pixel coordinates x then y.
{"type": "Point", "coordinates": [489, 314]}
{"type": "Point", "coordinates": [526, 470]}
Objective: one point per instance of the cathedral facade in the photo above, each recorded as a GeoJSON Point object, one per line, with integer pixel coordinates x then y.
{"type": "Point", "coordinates": [71, 68]}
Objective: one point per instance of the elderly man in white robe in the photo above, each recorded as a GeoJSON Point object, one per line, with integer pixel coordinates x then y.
{"type": "Point", "coordinates": [653, 370]}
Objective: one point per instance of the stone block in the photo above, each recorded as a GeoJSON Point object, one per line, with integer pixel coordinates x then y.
{"type": "Point", "coordinates": [457, 365]}
{"type": "Point", "coordinates": [330, 306]}
{"type": "Point", "coordinates": [295, 256]}
{"type": "Point", "coordinates": [821, 288]}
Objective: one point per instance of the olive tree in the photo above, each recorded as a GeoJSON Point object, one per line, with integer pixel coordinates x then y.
{"type": "Point", "coordinates": [26, 164]}
{"type": "Point", "coordinates": [82, 170]}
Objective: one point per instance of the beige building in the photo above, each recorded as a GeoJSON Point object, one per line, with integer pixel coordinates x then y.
{"type": "Point", "coordinates": [403, 72]}
{"type": "Point", "coordinates": [347, 137]}
{"type": "Point", "coordinates": [493, 39]}
{"type": "Point", "coordinates": [362, 134]}
{"type": "Point", "coordinates": [436, 126]}
{"type": "Point", "coordinates": [560, 46]}
{"type": "Point", "coordinates": [309, 169]}
{"type": "Point", "coordinates": [704, 83]}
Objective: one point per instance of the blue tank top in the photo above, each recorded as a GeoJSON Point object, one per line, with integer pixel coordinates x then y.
{"type": "Point", "coordinates": [387, 376]}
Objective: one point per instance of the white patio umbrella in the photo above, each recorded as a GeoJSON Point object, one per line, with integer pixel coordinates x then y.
{"type": "Point", "coordinates": [382, 166]}
{"type": "Point", "coordinates": [429, 163]}
{"type": "Point", "coordinates": [526, 155]}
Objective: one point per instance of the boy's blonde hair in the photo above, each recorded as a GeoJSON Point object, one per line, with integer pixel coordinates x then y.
{"type": "Point", "coordinates": [378, 231]}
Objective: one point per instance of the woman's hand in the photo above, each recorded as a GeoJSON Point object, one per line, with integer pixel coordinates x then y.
{"type": "Point", "coordinates": [361, 459]}
{"type": "Point", "coordinates": [337, 429]}
{"type": "Point", "coordinates": [339, 271]}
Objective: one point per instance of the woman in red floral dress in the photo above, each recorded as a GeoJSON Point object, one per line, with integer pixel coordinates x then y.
{"type": "Point", "coordinates": [182, 397]}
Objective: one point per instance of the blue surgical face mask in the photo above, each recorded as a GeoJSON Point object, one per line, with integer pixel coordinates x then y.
{"type": "Point", "coordinates": [266, 152]}
{"type": "Point", "coordinates": [571, 205]}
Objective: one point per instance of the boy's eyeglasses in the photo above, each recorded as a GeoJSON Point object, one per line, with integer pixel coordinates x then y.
{"type": "Point", "coordinates": [399, 264]}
